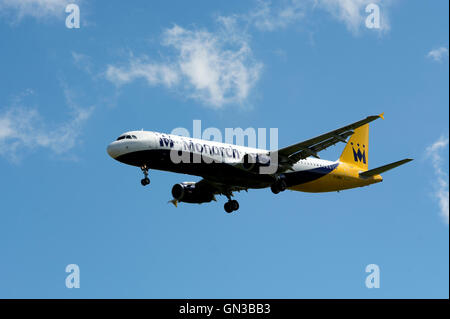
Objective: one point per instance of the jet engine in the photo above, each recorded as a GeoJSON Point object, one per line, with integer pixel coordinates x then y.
{"type": "Point", "coordinates": [188, 192]}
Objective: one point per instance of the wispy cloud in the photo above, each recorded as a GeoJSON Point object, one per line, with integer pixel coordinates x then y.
{"type": "Point", "coordinates": [216, 68]}
{"type": "Point", "coordinates": [23, 128]}
{"type": "Point", "coordinates": [39, 9]}
{"type": "Point", "coordinates": [439, 54]}
{"type": "Point", "coordinates": [153, 72]}
{"type": "Point", "coordinates": [268, 16]}
{"type": "Point", "coordinates": [442, 191]}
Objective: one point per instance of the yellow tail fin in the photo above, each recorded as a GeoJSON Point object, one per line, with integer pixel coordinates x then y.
{"type": "Point", "coordinates": [356, 152]}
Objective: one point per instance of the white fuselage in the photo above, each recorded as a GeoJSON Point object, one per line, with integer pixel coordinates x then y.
{"type": "Point", "coordinates": [141, 141]}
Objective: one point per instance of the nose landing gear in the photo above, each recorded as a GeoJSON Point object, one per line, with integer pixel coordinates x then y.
{"type": "Point", "coordinates": [145, 181]}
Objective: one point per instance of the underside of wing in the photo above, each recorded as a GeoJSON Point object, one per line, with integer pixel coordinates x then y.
{"type": "Point", "coordinates": [219, 188]}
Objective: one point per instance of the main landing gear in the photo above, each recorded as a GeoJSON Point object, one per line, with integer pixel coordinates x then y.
{"type": "Point", "coordinates": [145, 181]}
{"type": "Point", "coordinates": [231, 205]}
{"type": "Point", "coordinates": [278, 186]}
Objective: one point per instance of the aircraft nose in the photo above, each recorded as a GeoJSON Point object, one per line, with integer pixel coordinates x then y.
{"type": "Point", "coordinates": [113, 150]}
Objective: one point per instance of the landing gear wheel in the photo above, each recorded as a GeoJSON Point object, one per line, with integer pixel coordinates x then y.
{"type": "Point", "coordinates": [234, 204]}
{"type": "Point", "coordinates": [274, 189]}
{"type": "Point", "coordinates": [228, 207]}
{"type": "Point", "coordinates": [231, 206]}
{"type": "Point", "coordinates": [278, 186]}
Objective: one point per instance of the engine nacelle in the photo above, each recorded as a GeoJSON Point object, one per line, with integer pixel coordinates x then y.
{"type": "Point", "coordinates": [251, 162]}
{"type": "Point", "coordinates": [188, 192]}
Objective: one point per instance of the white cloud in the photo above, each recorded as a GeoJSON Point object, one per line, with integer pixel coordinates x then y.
{"type": "Point", "coordinates": [35, 8]}
{"type": "Point", "coordinates": [271, 16]}
{"type": "Point", "coordinates": [267, 17]}
{"type": "Point", "coordinates": [154, 73]}
{"type": "Point", "coordinates": [438, 55]}
{"type": "Point", "coordinates": [352, 12]}
{"type": "Point", "coordinates": [216, 68]}
{"type": "Point", "coordinates": [23, 128]}
{"type": "Point", "coordinates": [442, 191]}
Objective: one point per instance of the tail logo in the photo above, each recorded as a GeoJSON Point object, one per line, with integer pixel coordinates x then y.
{"type": "Point", "coordinates": [358, 155]}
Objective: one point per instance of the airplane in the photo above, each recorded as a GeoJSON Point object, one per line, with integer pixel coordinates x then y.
{"type": "Point", "coordinates": [227, 168]}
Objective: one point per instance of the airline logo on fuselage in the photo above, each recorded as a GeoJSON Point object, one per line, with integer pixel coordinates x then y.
{"type": "Point", "coordinates": [165, 141]}
{"type": "Point", "coordinates": [202, 148]}
{"type": "Point", "coordinates": [359, 156]}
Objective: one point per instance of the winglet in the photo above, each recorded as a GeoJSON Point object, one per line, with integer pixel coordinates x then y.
{"type": "Point", "coordinates": [382, 116]}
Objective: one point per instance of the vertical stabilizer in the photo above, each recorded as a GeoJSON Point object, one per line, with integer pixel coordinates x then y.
{"type": "Point", "coordinates": [356, 152]}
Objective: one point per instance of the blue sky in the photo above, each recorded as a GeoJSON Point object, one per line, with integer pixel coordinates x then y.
{"type": "Point", "coordinates": [303, 67]}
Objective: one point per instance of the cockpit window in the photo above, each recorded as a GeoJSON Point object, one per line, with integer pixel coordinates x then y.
{"type": "Point", "coordinates": [128, 137]}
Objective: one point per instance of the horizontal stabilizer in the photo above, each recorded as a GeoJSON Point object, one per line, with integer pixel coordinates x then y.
{"type": "Point", "coordinates": [382, 169]}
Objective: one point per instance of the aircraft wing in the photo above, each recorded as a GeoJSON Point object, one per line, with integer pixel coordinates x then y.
{"type": "Point", "coordinates": [218, 188]}
{"type": "Point", "coordinates": [292, 154]}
